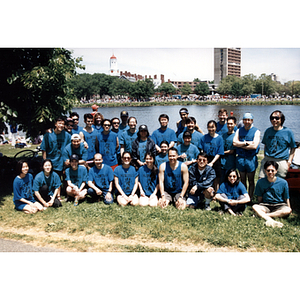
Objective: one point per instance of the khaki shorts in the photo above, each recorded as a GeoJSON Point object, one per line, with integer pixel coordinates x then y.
{"type": "Point", "coordinates": [172, 197]}
{"type": "Point", "coordinates": [282, 167]}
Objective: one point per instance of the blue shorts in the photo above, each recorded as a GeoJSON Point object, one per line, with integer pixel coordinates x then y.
{"type": "Point", "coordinates": [246, 164]}
{"type": "Point", "coordinates": [19, 205]}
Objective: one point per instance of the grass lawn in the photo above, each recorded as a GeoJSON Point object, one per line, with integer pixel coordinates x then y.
{"type": "Point", "coordinates": [99, 227]}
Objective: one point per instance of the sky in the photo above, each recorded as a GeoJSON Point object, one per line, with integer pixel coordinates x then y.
{"type": "Point", "coordinates": [186, 64]}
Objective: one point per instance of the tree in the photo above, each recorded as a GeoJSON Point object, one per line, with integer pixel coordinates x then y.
{"type": "Point", "coordinates": [186, 89]}
{"type": "Point", "coordinates": [226, 84]}
{"type": "Point", "coordinates": [265, 85]}
{"type": "Point", "coordinates": [201, 89]}
{"type": "Point", "coordinates": [248, 83]}
{"type": "Point", "coordinates": [35, 86]}
{"type": "Point", "coordinates": [166, 88]}
{"type": "Point", "coordinates": [237, 88]}
{"type": "Point", "coordinates": [142, 89]}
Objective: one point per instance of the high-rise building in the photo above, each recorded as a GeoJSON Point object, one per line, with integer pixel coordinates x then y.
{"type": "Point", "coordinates": [227, 61]}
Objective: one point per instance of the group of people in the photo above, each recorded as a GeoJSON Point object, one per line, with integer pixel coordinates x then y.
{"type": "Point", "coordinates": [112, 160]}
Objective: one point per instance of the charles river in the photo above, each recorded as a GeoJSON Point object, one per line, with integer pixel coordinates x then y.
{"type": "Point", "coordinates": [149, 115]}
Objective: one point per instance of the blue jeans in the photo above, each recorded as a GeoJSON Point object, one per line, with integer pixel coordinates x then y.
{"type": "Point", "coordinates": [91, 192]}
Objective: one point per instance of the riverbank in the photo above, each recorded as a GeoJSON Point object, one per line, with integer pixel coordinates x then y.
{"type": "Point", "coordinates": [225, 102]}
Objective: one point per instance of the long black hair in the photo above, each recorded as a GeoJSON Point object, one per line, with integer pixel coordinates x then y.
{"type": "Point", "coordinates": [237, 177]}
{"type": "Point", "coordinates": [154, 170]}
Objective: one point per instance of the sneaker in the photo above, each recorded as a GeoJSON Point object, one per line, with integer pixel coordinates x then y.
{"type": "Point", "coordinates": [207, 207]}
{"type": "Point", "coordinates": [76, 202]}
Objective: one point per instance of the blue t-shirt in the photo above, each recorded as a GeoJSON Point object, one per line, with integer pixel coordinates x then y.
{"type": "Point", "coordinates": [160, 135]}
{"type": "Point", "coordinates": [127, 139]}
{"type": "Point", "coordinates": [22, 188]}
{"type": "Point", "coordinates": [148, 185]}
{"type": "Point", "coordinates": [232, 192]}
{"type": "Point", "coordinates": [78, 176]}
{"type": "Point", "coordinates": [173, 179]}
{"type": "Point", "coordinates": [196, 137]}
{"type": "Point", "coordinates": [77, 130]}
{"type": "Point", "coordinates": [102, 177]}
{"type": "Point", "coordinates": [126, 178]}
{"type": "Point", "coordinates": [221, 129]}
{"type": "Point", "coordinates": [161, 158]}
{"type": "Point", "coordinates": [98, 128]}
{"type": "Point", "coordinates": [212, 146]}
{"type": "Point", "coordinates": [272, 192]}
{"type": "Point", "coordinates": [180, 128]}
{"type": "Point", "coordinates": [278, 142]}
{"type": "Point", "coordinates": [54, 144]}
{"type": "Point", "coordinates": [108, 148]}
{"type": "Point", "coordinates": [191, 151]}
{"type": "Point", "coordinates": [228, 161]}
{"type": "Point", "coordinates": [90, 138]}
{"type": "Point", "coordinates": [53, 182]}
{"type": "Point", "coordinates": [142, 149]}
{"type": "Point", "coordinates": [81, 151]}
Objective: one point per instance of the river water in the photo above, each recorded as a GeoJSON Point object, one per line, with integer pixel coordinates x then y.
{"type": "Point", "coordinates": [149, 115]}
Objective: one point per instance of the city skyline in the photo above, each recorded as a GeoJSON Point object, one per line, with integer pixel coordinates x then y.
{"type": "Point", "coordinates": [186, 64]}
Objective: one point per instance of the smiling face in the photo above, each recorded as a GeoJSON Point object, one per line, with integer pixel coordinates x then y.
{"type": "Point", "coordinates": [106, 126]}
{"type": "Point", "coordinates": [74, 164]}
{"type": "Point", "coordinates": [76, 143]}
{"type": "Point", "coordinates": [230, 125]}
{"type": "Point", "coordinates": [247, 123]}
{"type": "Point", "coordinates": [149, 161]}
{"type": "Point", "coordinates": [98, 160]}
{"type": "Point", "coordinates": [164, 148]}
{"type": "Point", "coordinates": [126, 159]}
{"type": "Point", "coordinates": [163, 122]}
{"type": "Point", "coordinates": [132, 124]}
{"type": "Point", "coordinates": [223, 117]}
{"type": "Point", "coordinates": [190, 126]}
{"type": "Point", "coordinates": [232, 177]}
{"type": "Point", "coordinates": [271, 172]}
{"type": "Point", "coordinates": [25, 168]}
{"type": "Point", "coordinates": [172, 155]}
{"type": "Point", "coordinates": [211, 128]}
{"type": "Point", "coordinates": [116, 124]}
{"type": "Point", "coordinates": [275, 119]}
{"type": "Point", "coordinates": [202, 162]}
{"type": "Point", "coordinates": [47, 167]}
{"type": "Point", "coordinates": [60, 125]}
{"type": "Point", "coordinates": [184, 116]}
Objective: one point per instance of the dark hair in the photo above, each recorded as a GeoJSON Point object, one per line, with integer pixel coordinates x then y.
{"type": "Point", "coordinates": [115, 118]}
{"type": "Point", "coordinates": [131, 118]}
{"type": "Point", "coordinates": [223, 110]}
{"type": "Point", "coordinates": [271, 163]}
{"type": "Point", "coordinates": [61, 118]}
{"type": "Point", "coordinates": [19, 166]}
{"type": "Point", "coordinates": [47, 160]}
{"type": "Point", "coordinates": [106, 120]}
{"type": "Point", "coordinates": [154, 170]}
{"type": "Point", "coordinates": [212, 121]}
{"type": "Point", "coordinates": [202, 153]}
{"type": "Point", "coordinates": [173, 149]}
{"type": "Point", "coordinates": [282, 117]}
{"type": "Point", "coordinates": [163, 116]}
{"type": "Point", "coordinates": [74, 114]}
{"type": "Point", "coordinates": [190, 120]}
{"type": "Point", "coordinates": [232, 118]}
{"type": "Point", "coordinates": [96, 115]}
{"type": "Point", "coordinates": [164, 142]}
{"type": "Point", "coordinates": [126, 152]}
{"type": "Point", "coordinates": [88, 116]}
{"type": "Point", "coordinates": [237, 177]}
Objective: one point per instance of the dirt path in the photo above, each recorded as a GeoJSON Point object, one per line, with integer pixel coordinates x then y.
{"type": "Point", "coordinates": [98, 243]}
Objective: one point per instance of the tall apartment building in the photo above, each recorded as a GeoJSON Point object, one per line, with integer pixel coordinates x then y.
{"type": "Point", "coordinates": [227, 61]}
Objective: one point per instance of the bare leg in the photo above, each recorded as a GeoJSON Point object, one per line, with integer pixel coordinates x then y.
{"type": "Point", "coordinates": [262, 212]}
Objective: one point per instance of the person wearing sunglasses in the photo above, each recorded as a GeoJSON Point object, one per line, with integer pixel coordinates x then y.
{"type": "Point", "coordinates": [279, 144]}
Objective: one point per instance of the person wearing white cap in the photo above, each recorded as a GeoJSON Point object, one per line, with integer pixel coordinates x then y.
{"type": "Point", "coordinates": [246, 141]}
{"type": "Point", "coordinates": [75, 147]}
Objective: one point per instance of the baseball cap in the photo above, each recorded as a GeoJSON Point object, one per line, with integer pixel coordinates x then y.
{"type": "Point", "coordinates": [95, 107]}
{"type": "Point", "coordinates": [187, 134]}
{"type": "Point", "coordinates": [74, 157]}
{"type": "Point", "coordinates": [143, 127]}
{"type": "Point", "coordinates": [248, 116]}
{"type": "Point", "coordinates": [75, 136]}
{"type": "Point", "coordinates": [124, 113]}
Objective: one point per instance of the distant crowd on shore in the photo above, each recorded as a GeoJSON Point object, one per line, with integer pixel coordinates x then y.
{"type": "Point", "coordinates": [113, 160]}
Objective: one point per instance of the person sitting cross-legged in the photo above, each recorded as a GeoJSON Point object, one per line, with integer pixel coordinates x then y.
{"type": "Point", "coordinates": [273, 196]}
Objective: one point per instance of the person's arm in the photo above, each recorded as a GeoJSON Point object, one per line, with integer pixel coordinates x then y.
{"type": "Point", "coordinates": [44, 154]}
{"type": "Point", "coordinates": [185, 177]}
{"type": "Point", "coordinates": [109, 192]}
{"type": "Point", "coordinates": [236, 142]}
{"type": "Point", "coordinates": [40, 198]}
{"type": "Point", "coordinates": [291, 156]}
{"type": "Point", "coordinates": [94, 187]}
{"type": "Point", "coordinates": [122, 149]}
{"type": "Point", "coordinates": [136, 184]}
{"type": "Point", "coordinates": [118, 187]}
{"type": "Point", "coordinates": [118, 144]}
{"type": "Point", "coordinates": [217, 156]}
{"type": "Point", "coordinates": [251, 145]}
{"type": "Point", "coordinates": [161, 178]}
{"type": "Point", "coordinates": [82, 186]}
{"type": "Point", "coordinates": [288, 203]}
{"type": "Point", "coordinates": [172, 144]}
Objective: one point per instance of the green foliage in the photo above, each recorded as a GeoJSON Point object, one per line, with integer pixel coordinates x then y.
{"type": "Point", "coordinates": [201, 89]}
{"type": "Point", "coordinates": [35, 86]}
{"type": "Point", "coordinates": [166, 88]}
{"type": "Point", "coordinates": [186, 89]}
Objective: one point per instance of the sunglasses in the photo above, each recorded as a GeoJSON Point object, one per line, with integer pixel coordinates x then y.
{"type": "Point", "coordinates": [274, 118]}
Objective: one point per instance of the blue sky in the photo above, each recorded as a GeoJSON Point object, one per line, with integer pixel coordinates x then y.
{"type": "Point", "coordinates": [190, 63]}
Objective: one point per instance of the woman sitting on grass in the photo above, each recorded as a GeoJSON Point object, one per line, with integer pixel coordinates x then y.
{"type": "Point", "coordinates": [126, 182]}
{"type": "Point", "coordinates": [232, 194]}
{"type": "Point", "coordinates": [46, 185]}
{"type": "Point", "coordinates": [148, 182]}
{"type": "Point", "coordinates": [22, 188]}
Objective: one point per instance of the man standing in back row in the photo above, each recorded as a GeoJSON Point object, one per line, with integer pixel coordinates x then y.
{"type": "Point", "coordinates": [279, 145]}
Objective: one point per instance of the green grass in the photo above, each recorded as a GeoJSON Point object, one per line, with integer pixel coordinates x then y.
{"type": "Point", "coordinates": [134, 227]}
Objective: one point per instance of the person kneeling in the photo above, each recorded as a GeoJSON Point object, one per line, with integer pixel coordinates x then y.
{"type": "Point", "coordinates": [201, 179]}
{"type": "Point", "coordinates": [100, 180]}
{"type": "Point", "coordinates": [76, 177]}
{"type": "Point", "coordinates": [126, 182]}
{"type": "Point", "coordinates": [232, 194]}
{"type": "Point", "coordinates": [273, 196]}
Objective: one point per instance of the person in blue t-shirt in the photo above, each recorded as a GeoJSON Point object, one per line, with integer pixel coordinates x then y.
{"type": "Point", "coordinates": [246, 140]}
{"type": "Point", "coordinates": [228, 159]}
{"type": "Point", "coordinates": [232, 194]}
{"type": "Point", "coordinates": [148, 182]}
{"type": "Point", "coordinates": [128, 136]}
{"type": "Point", "coordinates": [100, 181]}
{"type": "Point", "coordinates": [187, 152]}
{"type": "Point", "coordinates": [75, 147]}
{"type": "Point", "coordinates": [124, 118]}
{"type": "Point", "coordinates": [76, 177]}
{"type": "Point", "coordinates": [126, 182]}
{"type": "Point", "coordinates": [89, 135]}
{"type": "Point", "coordinates": [163, 155]}
{"type": "Point", "coordinates": [22, 189]}
{"type": "Point", "coordinates": [191, 127]}
{"type": "Point", "coordinates": [97, 122]}
{"type": "Point", "coordinates": [212, 144]}
{"type": "Point", "coordinates": [46, 185]}
{"type": "Point", "coordinates": [108, 145]}
{"type": "Point", "coordinates": [182, 124]}
{"type": "Point", "coordinates": [164, 133]}
{"type": "Point", "coordinates": [76, 128]}
{"type": "Point", "coordinates": [273, 196]}
{"type": "Point", "coordinates": [279, 144]}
